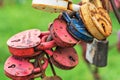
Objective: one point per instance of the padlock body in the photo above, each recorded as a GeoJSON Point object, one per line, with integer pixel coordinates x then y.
{"type": "Point", "coordinates": [18, 68]}
{"type": "Point", "coordinates": [23, 43]}
{"type": "Point", "coordinates": [97, 53]}
{"type": "Point", "coordinates": [76, 27]}
{"type": "Point", "coordinates": [65, 58]}
{"type": "Point", "coordinates": [60, 34]}
{"type": "Point", "coordinates": [50, 6]}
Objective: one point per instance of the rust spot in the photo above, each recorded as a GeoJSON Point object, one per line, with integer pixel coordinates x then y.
{"type": "Point", "coordinates": [65, 35]}
{"type": "Point", "coordinates": [70, 40]}
{"type": "Point", "coordinates": [61, 27]}
{"type": "Point", "coordinates": [16, 73]}
{"type": "Point", "coordinates": [43, 7]}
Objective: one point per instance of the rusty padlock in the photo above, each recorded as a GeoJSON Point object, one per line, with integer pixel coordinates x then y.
{"type": "Point", "coordinates": [50, 6]}
{"type": "Point", "coordinates": [60, 34]}
{"type": "Point", "coordinates": [96, 20]}
{"type": "Point", "coordinates": [23, 43]}
{"type": "Point", "coordinates": [64, 58]}
{"type": "Point", "coordinates": [55, 5]}
{"type": "Point", "coordinates": [97, 52]}
{"type": "Point", "coordinates": [22, 69]}
{"type": "Point", "coordinates": [76, 27]}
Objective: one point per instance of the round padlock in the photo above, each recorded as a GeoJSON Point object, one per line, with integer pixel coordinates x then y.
{"type": "Point", "coordinates": [21, 69]}
{"type": "Point", "coordinates": [23, 43]}
{"type": "Point", "coordinates": [64, 58]}
{"type": "Point", "coordinates": [60, 34]}
{"type": "Point", "coordinates": [96, 21]}
{"type": "Point", "coordinates": [51, 6]}
{"type": "Point", "coordinates": [76, 27]}
{"type": "Point", "coordinates": [52, 78]}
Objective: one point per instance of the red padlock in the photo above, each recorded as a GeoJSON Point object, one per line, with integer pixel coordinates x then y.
{"type": "Point", "coordinates": [22, 69]}
{"type": "Point", "coordinates": [64, 58]}
{"type": "Point", "coordinates": [23, 43]}
{"type": "Point", "coordinates": [60, 34]}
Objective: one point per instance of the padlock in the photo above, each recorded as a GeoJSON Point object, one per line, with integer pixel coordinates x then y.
{"type": "Point", "coordinates": [60, 34]}
{"type": "Point", "coordinates": [64, 58]}
{"type": "Point", "coordinates": [52, 78]}
{"type": "Point", "coordinates": [23, 43]}
{"type": "Point", "coordinates": [76, 27]}
{"type": "Point", "coordinates": [96, 20]}
{"type": "Point", "coordinates": [22, 69]}
{"type": "Point", "coordinates": [55, 5]}
{"type": "Point", "coordinates": [97, 52]}
{"type": "Point", "coordinates": [50, 6]}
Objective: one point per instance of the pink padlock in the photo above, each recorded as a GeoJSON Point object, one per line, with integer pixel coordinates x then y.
{"type": "Point", "coordinates": [60, 34]}
{"type": "Point", "coordinates": [64, 58]}
{"type": "Point", "coordinates": [22, 69]}
{"type": "Point", "coordinates": [23, 43]}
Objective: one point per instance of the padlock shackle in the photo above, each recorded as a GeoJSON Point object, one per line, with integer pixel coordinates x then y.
{"type": "Point", "coordinates": [66, 17]}
{"type": "Point", "coordinates": [46, 45]}
{"type": "Point", "coordinates": [43, 67]}
{"type": "Point", "coordinates": [98, 3]}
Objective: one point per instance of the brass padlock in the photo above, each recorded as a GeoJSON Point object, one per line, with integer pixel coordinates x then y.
{"type": "Point", "coordinates": [97, 52]}
{"type": "Point", "coordinates": [96, 20]}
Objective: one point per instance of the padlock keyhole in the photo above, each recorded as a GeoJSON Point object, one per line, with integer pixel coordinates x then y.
{"type": "Point", "coordinates": [71, 58]}
{"type": "Point", "coordinates": [16, 40]}
{"type": "Point", "coordinates": [103, 27]}
{"type": "Point", "coordinates": [12, 66]}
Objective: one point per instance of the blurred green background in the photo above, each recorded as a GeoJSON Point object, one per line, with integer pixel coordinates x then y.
{"type": "Point", "coordinates": [18, 15]}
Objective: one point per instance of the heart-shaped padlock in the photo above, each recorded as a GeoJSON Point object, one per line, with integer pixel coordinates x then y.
{"type": "Point", "coordinates": [23, 43]}
{"type": "Point", "coordinates": [76, 27]}
{"type": "Point", "coordinates": [22, 69]}
{"type": "Point", "coordinates": [96, 20]}
{"type": "Point", "coordinates": [64, 58]}
{"type": "Point", "coordinates": [97, 52]}
{"type": "Point", "coordinates": [61, 35]}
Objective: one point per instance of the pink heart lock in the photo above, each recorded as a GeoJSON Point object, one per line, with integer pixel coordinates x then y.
{"type": "Point", "coordinates": [22, 69]}
{"type": "Point", "coordinates": [64, 58]}
{"type": "Point", "coordinates": [60, 34]}
{"type": "Point", "coordinates": [23, 43]}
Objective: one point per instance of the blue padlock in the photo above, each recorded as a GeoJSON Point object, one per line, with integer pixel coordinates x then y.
{"type": "Point", "coordinates": [76, 27]}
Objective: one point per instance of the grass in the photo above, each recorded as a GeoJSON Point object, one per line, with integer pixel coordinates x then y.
{"type": "Point", "coordinates": [16, 18]}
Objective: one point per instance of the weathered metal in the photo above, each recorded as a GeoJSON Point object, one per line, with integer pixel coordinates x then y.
{"type": "Point", "coordinates": [64, 58]}
{"type": "Point", "coordinates": [23, 44]}
{"type": "Point", "coordinates": [76, 27]}
{"type": "Point", "coordinates": [97, 52]}
{"type": "Point", "coordinates": [21, 69]}
{"type": "Point", "coordinates": [97, 22]}
{"type": "Point", "coordinates": [50, 6]}
{"type": "Point", "coordinates": [60, 34]}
